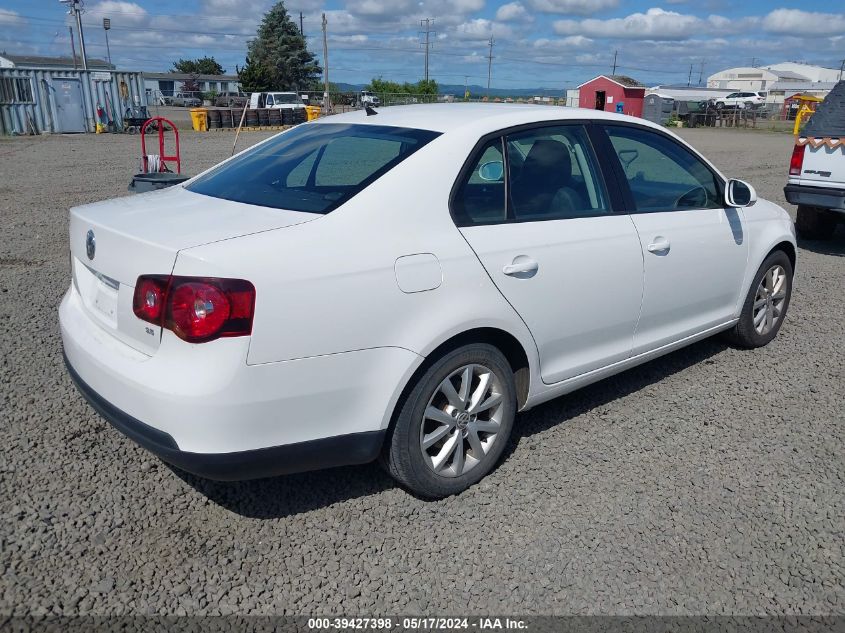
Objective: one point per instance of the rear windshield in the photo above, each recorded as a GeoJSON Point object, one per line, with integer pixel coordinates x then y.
{"type": "Point", "coordinates": [312, 168]}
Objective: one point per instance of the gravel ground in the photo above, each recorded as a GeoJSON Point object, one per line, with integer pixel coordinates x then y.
{"type": "Point", "coordinates": [706, 482]}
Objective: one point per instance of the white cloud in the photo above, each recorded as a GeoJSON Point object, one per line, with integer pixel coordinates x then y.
{"type": "Point", "coordinates": [124, 13]}
{"type": "Point", "coordinates": [574, 7]}
{"type": "Point", "coordinates": [798, 22]}
{"type": "Point", "coordinates": [380, 7]}
{"type": "Point", "coordinates": [654, 24]}
{"type": "Point", "coordinates": [573, 41]}
{"type": "Point", "coordinates": [436, 7]}
{"type": "Point", "coordinates": [482, 29]}
{"type": "Point", "coordinates": [10, 18]}
{"type": "Point", "coordinates": [513, 12]}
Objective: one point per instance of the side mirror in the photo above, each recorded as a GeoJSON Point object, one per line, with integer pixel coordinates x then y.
{"type": "Point", "coordinates": [492, 171]}
{"type": "Point", "coordinates": [739, 194]}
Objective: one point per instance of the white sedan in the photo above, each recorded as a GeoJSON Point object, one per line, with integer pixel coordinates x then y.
{"type": "Point", "coordinates": [402, 285]}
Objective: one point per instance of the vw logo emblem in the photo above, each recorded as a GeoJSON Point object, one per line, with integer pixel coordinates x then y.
{"type": "Point", "coordinates": [90, 245]}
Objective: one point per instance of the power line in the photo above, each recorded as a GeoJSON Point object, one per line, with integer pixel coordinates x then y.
{"type": "Point", "coordinates": [427, 32]}
{"type": "Point", "coordinates": [327, 102]}
{"type": "Point", "coordinates": [75, 9]}
{"type": "Point", "coordinates": [72, 47]}
{"type": "Point", "coordinates": [490, 64]}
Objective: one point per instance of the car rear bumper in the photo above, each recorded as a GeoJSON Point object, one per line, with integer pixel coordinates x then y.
{"type": "Point", "coordinates": [342, 450]}
{"type": "Point", "coordinates": [824, 197]}
{"type": "Point", "coordinates": [204, 409]}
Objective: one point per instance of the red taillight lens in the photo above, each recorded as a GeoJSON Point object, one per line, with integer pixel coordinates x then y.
{"type": "Point", "coordinates": [196, 309]}
{"type": "Point", "coordinates": [148, 302]}
{"type": "Point", "coordinates": [797, 160]}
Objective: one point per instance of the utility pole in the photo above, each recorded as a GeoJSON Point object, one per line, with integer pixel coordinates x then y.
{"type": "Point", "coordinates": [841, 69]}
{"type": "Point", "coordinates": [490, 65]}
{"type": "Point", "coordinates": [301, 28]}
{"type": "Point", "coordinates": [326, 98]}
{"type": "Point", "coordinates": [614, 62]}
{"type": "Point", "coordinates": [701, 73]}
{"type": "Point", "coordinates": [106, 27]}
{"type": "Point", "coordinates": [75, 9]}
{"type": "Point", "coordinates": [689, 79]}
{"type": "Point", "coordinates": [72, 47]}
{"type": "Point", "coordinates": [427, 32]}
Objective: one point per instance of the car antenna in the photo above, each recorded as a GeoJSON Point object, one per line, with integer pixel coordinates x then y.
{"type": "Point", "coordinates": [371, 111]}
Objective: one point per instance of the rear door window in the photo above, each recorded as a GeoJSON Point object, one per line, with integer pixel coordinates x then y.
{"type": "Point", "coordinates": [553, 175]}
{"type": "Point", "coordinates": [314, 167]}
{"type": "Point", "coordinates": [481, 197]}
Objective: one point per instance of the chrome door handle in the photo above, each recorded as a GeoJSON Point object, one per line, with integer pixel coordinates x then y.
{"type": "Point", "coordinates": [521, 266]}
{"type": "Point", "coordinates": [659, 245]}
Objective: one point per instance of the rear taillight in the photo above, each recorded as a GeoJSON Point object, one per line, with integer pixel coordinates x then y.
{"type": "Point", "coordinates": [148, 302]}
{"type": "Point", "coordinates": [797, 160]}
{"type": "Point", "coordinates": [196, 309]}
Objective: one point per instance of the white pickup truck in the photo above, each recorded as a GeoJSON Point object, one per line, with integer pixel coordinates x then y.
{"type": "Point", "coordinates": [817, 169]}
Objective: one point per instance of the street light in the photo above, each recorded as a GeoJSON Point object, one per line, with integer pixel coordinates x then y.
{"type": "Point", "coordinates": [106, 27]}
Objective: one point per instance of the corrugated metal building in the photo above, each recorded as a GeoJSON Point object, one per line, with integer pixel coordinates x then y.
{"type": "Point", "coordinates": [38, 101]}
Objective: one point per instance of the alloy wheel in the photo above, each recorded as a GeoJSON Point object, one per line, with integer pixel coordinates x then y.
{"type": "Point", "coordinates": [462, 420]}
{"type": "Point", "coordinates": [769, 299]}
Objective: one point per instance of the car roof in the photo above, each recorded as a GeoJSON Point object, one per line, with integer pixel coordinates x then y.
{"type": "Point", "coordinates": [447, 117]}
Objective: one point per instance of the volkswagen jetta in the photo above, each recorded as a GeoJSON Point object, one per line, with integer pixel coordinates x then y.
{"type": "Point", "coordinates": [402, 285]}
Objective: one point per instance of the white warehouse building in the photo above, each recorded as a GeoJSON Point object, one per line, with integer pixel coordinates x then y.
{"type": "Point", "coordinates": [778, 80]}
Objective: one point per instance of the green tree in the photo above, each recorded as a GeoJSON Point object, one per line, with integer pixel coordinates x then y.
{"type": "Point", "coordinates": [281, 48]}
{"type": "Point", "coordinates": [201, 66]}
{"type": "Point", "coordinates": [254, 76]}
{"type": "Point", "coordinates": [384, 86]}
{"type": "Point", "coordinates": [424, 87]}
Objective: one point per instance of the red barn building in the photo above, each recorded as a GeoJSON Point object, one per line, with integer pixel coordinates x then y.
{"type": "Point", "coordinates": [607, 92]}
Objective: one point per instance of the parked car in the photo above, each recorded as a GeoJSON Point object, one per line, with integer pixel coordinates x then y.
{"type": "Point", "coordinates": [817, 169]}
{"type": "Point", "coordinates": [186, 99]}
{"type": "Point", "coordinates": [363, 286]}
{"type": "Point", "coordinates": [231, 100]}
{"type": "Point", "coordinates": [276, 100]}
{"type": "Point", "coordinates": [741, 100]}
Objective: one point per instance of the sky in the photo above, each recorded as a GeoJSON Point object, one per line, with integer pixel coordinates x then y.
{"type": "Point", "coordinates": [548, 44]}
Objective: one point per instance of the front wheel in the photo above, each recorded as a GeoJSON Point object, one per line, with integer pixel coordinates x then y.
{"type": "Point", "coordinates": [454, 424]}
{"type": "Point", "coordinates": [766, 303]}
{"type": "Point", "coordinates": [812, 223]}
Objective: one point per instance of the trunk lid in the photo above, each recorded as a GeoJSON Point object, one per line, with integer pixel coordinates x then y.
{"type": "Point", "coordinates": [142, 235]}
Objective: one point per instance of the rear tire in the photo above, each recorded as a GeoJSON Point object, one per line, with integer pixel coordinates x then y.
{"type": "Point", "coordinates": [813, 223]}
{"type": "Point", "coordinates": [449, 432]}
{"type": "Point", "coordinates": [766, 303]}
